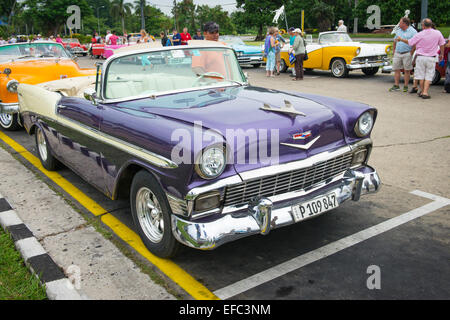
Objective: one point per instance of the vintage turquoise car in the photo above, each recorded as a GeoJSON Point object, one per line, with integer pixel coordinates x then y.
{"type": "Point", "coordinates": [247, 55]}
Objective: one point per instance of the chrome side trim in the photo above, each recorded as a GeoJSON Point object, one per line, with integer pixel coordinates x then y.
{"type": "Point", "coordinates": [151, 157]}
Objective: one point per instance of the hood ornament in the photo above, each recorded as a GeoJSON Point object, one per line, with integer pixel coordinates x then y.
{"type": "Point", "coordinates": [302, 146]}
{"type": "Point", "coordinates": [288, 109]}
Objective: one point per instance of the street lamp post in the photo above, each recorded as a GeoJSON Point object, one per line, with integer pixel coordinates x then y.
{"type": "Point", "coordinates": [98, 19]}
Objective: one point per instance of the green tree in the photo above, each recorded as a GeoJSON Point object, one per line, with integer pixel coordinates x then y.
{"type": "Point", "coordinates": [51, 15]}
{"type": "Point", "coordinates": [259, 13]}
{"type": "Point", "coordinates": [120, 9]}
{"type": "Point", "coordinates": [324, 14]}
{"type": "Point", "coordinates": [140, 6]}
{"type": "Point", "coordinates": [206, 13]}
{"type": "Point", "coordinates": [184, 13]}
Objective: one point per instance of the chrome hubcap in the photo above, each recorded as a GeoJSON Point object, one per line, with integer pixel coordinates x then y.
{"type": "Point", "coordinates": [42, 144]}
{"type": "Point", "coordinates": [149, 214]}
{"type": "Point", "coordinates": [338, 68]}
{"type": "Point", "coordinates": [6, 119]}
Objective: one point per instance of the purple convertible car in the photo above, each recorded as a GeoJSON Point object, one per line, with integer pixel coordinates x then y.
{"type": "Point", "coordinates": [204, 157]}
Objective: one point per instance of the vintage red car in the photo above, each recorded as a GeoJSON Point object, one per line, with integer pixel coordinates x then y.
{"type": "Point", "coordinates": [74, 46]}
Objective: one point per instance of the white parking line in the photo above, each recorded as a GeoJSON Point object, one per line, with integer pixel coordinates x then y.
{"type": "Point", "coordinates": [325, 251]}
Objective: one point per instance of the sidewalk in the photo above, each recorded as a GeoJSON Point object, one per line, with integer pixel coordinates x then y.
{"type": "Point", "coordinates": [96, 267]}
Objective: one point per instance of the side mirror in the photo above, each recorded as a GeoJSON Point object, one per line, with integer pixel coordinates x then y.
{"type": "Point", "coordinates": [90, 95]}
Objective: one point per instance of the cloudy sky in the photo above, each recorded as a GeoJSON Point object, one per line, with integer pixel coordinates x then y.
{"type": "Point", "coordinates": [166, 5]}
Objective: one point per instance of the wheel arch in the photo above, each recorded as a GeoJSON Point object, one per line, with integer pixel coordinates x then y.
{"type": "Point", "coordinates": [122, 185]}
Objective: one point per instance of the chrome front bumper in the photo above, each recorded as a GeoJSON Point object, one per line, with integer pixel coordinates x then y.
{"type": "Point", "coordinates": [355, 66]}
{"type": "Point", "coordinates": [263, 214]}
{"type": "Point", "coordinates": [10, 108]}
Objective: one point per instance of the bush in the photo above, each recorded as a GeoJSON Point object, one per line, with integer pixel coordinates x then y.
{"type": "Point", "coordinates": [82, 38]}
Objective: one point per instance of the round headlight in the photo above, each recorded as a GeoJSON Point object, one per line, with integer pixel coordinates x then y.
{"type": "Point", "coordinates": [211, 163]}
{"type": "Point", "coordinates": [388, 49]}
{"type": "Point", "coordinates": [11, 86]}
{"type": "Point", "coordinates": [358, 51]}
{"type": "Point", "coordinates": [364, 124]}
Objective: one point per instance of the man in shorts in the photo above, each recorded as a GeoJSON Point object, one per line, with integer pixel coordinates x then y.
{"type": "Point", "coordinates": [403, 54]}
{"type": "Point", "coordinates": [427, 42]}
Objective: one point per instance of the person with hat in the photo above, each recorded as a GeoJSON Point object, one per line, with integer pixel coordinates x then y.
{"type": "Point", "coordinates": [298, 48]}
{"type": "Point", "coordinates": [198, 35]}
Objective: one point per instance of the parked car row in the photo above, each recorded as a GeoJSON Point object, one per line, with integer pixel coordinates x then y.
{"type": "Point", "coordinates": [179, 132]}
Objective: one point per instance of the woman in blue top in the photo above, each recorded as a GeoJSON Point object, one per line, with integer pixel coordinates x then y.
{"type": "Point", "coordinates": [269, 49]}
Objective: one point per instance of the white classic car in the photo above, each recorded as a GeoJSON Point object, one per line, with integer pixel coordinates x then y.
{"type": "Point", "coordinates": [336, 51]}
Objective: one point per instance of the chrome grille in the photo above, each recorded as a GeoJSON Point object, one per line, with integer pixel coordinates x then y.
{"type": "Point", "coordinates": [242, 193]}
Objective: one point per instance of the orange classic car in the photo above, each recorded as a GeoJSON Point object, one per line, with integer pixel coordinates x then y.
{"type": "Point", "coordinates": [31, 63]}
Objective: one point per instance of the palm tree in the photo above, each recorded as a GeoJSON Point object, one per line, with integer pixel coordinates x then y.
{"type": "Point", "coordinates": [140, 5]}
{"type": "Point", "coordinates": [120, 9]}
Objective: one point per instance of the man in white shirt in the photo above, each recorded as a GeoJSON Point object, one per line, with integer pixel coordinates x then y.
{"type": "Point", "coordinates": [108, 35]}
{"type": "Point", "coordinates": [341, 26]}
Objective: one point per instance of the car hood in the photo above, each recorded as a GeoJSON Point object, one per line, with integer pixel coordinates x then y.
{"type": "Point", "coordinates": [236, 112]}
{"type": "Point", "coordinates": [368, 50]}
{"type": "Point", "coordinates": [247, 49]}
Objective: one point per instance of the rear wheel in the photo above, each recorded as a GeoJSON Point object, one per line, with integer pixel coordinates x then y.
{"type": "Point", "coordinates": [44, 153]}
{"type": "Point", "coordinates": [152, 215]}
{"type": "Point", "coordinates": [339, 68]}
{"type": "Point", "coordinates": [9, 122]}
{"type": "Point", "coordinates": [370, 71]}
{"type": "Point", "coordinates": [436, 78]}
{"type": "Point", "coordinates": [283, 66]}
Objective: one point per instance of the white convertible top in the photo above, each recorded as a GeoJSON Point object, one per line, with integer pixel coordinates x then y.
{"type": "Point", "coordinates": [71, 87]}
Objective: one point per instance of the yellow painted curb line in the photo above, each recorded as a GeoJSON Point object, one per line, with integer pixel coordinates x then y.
{"type": "Point", "coordinates": [168, 267]}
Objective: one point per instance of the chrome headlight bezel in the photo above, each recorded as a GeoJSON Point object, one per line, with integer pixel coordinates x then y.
{"type": "Point", "coordinates": [11, 86]}
{"type": "Point", "coordinates": [211, 162]}
{"type": "Point", "coordinates": [364, 124]}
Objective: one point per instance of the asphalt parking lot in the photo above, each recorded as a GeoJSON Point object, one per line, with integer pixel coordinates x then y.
{"type": "Point", "coordinates": [389, 245]}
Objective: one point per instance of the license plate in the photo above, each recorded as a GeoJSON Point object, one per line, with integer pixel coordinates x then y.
{"type": "Point", "coordinates": [314, 207]}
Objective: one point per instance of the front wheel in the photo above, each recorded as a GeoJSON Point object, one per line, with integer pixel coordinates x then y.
{"type": "Point", "coordinates": [152, 215]}
{"type": "Point", "coordinates": [339, 68]}
{"type": "Point", "coordinates": [9, 122]}
{"type": "Point", "coordinates": [370, 71]}
{"type": "Point", "coordinates": [48, 161]}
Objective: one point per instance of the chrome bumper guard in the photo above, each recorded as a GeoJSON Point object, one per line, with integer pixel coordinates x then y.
{"type": "Point", "coordinates": [386, 69]}
{"type": "Point", "coordinates": [9, 108]}
{"type": "Point", "coordinates": [263, 215]}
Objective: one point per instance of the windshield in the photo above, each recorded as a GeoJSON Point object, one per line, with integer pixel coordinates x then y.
{"type": "Point", "coordinates": [151, 73]}
{"type": "Point", "coordinates": [235, 41]}
{"type": "Point", "coordinates": [335, 37]}
{"type": "Point", "coordinates": [34, 50]}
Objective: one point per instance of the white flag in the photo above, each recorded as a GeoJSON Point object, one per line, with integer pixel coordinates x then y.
{"type": "Point", "coordinates": [278, 13]}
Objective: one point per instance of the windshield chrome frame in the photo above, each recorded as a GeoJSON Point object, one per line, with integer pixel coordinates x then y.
{"type": "Point", "coordinates": [108, 61]}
